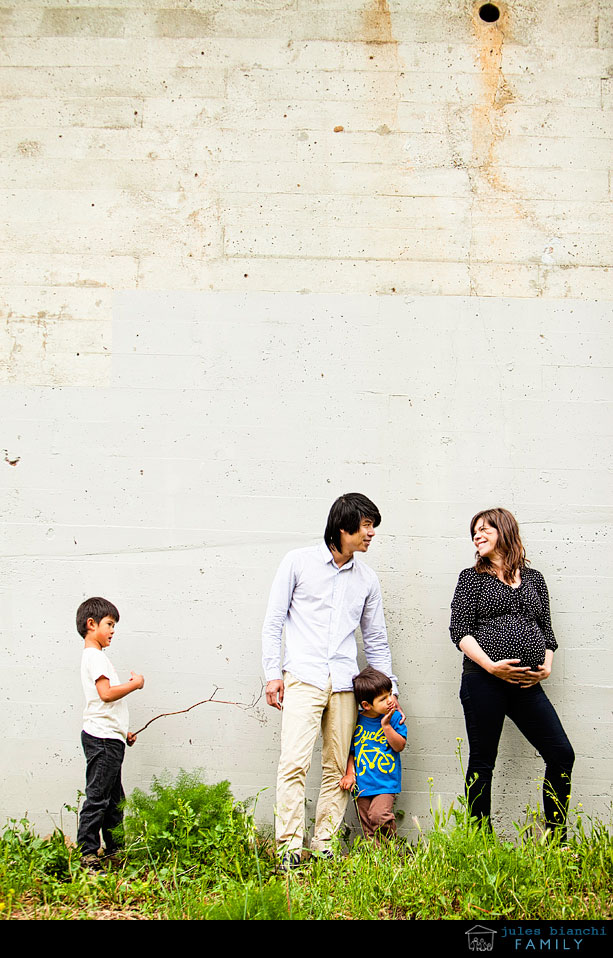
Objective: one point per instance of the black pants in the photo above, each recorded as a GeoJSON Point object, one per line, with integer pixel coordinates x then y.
{"type": "Point", "coordinates": [487, 700]}
{"type": "Point", "coordinates": [103, 793]}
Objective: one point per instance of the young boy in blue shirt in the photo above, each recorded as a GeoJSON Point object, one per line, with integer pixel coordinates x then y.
{"type": "Point", "coordinates": [105, 730]}
{"type": "Point", "coordinates": [373, 767]}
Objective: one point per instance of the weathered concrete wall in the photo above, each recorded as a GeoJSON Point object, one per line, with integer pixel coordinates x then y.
{"type": "Point", "coordinates": [260, 253]}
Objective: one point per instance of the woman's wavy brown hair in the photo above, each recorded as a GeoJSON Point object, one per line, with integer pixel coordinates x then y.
{"type": "Point", "coordinates": [509, 543]}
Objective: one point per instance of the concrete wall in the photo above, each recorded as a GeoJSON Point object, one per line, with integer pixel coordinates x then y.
{"type": "Point", "coordinates": [261, 253]}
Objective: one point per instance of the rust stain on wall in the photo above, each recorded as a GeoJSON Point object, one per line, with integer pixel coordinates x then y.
{"type": "Point", "coordinates": [487, 127]}
{"type": "Point", "coordinates": [29, 148]}
{"type": "Point", "coordinates": [382, 52]}
{"type": "Point", "coordinates": [377, 21]}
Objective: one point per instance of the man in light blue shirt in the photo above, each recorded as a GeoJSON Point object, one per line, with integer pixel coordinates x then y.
{"type": "Point", "coordinates": [321, 594]}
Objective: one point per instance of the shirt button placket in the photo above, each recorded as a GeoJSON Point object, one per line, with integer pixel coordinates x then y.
{"type": "Point", "coordinates": [333, 622]}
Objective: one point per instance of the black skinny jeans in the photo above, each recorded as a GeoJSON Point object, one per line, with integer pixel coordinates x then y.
{"type": "Point", "coordinates": [486, 701]}
{"type": "Point", "coordinates": [103, 793]}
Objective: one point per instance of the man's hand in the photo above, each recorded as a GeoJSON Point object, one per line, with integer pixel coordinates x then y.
{"type": "Point", "coordinates": [274, 693]}
{"type": "Point", "coordinates": [131, 739]}
{"type": "Point", "coordinates": [397, 706]}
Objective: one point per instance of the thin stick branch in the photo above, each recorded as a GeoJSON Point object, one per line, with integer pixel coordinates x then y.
{"type": "Point", "coordinates": [211, 698]}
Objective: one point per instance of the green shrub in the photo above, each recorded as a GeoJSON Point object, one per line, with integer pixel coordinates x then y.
{"type": "Point", "coordinates": [199, 826]}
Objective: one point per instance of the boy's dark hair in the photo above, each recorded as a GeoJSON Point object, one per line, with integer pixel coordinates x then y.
{"type": "Point", "coordinates": [96, 609]}
{"type": "Point", "coordinates": [370, 683]}
{"type": "Point", "coordinates": [346, 514]}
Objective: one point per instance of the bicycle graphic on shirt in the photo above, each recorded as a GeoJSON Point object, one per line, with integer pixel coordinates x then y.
{"type": "Point", "coordinates": [375, 758]}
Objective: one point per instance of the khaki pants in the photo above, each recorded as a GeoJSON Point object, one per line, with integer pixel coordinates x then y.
{"type": "Point", "coordinates": [306, 710]}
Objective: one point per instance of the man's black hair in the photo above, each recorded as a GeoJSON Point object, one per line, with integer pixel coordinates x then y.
{"type": "Point", "coordinates": [96, 609]}
{"type": "Point", "coordinates": [369, 684]}
{"type": "Point", "coordinates": [347, 514]}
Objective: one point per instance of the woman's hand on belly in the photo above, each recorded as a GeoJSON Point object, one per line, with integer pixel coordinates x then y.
{"type": "Point", "coordinates": [509, 670]}
{"type": "Point", "coordinates": [534, 676]}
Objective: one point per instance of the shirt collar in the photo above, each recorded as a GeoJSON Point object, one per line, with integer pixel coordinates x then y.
{"type": "Point", "coordinates": [328, 557]}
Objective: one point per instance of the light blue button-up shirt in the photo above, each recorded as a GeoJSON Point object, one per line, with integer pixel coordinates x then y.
{"type": "Point", "coordinates": [321, 606]}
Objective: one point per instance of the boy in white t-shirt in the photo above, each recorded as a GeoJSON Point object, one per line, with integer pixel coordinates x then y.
{"type": "Point", "coordinates": [105, 729]}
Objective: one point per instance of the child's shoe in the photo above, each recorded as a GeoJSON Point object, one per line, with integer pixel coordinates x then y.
{"type": "Point", "coordinates": [92, 864]}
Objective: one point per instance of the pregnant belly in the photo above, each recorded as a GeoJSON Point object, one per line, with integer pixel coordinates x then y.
{"type": "Point", "coordinates": [525, 643]}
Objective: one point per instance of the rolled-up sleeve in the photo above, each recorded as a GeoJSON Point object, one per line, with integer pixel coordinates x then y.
{"type": "Point", "coordinates": [464, 606]}
{"type": "Point", "coordinates": [274, 620]}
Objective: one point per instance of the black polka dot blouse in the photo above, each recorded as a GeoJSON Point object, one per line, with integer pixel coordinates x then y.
{"type": "Point", "coordinates": [507, 623]}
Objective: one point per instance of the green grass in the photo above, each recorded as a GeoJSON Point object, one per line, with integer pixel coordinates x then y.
{"type": "Point", "coordinates": [193, 853]}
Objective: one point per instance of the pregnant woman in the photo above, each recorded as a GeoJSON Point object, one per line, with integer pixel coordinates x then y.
{"type": "Point", "coordinates": [501, 622]}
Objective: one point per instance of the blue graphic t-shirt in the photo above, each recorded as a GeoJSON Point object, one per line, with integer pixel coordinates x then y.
{"type": "Point", "coordinates": [377, 765]}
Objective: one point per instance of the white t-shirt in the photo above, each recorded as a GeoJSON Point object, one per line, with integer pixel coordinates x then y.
{"type": "Point", "coordinates": [102, 719]}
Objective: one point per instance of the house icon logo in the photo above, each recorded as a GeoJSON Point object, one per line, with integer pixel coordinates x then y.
{"type": "Point", "coordinates": [480, 938]}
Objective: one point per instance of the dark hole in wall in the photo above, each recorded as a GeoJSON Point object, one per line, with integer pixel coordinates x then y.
{"type": "Point", "coordinates": [489, 12]}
